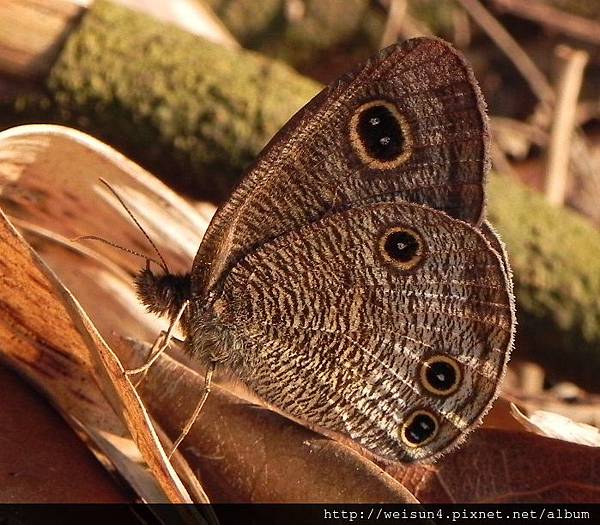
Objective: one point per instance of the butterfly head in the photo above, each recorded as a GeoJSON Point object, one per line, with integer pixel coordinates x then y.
{"type": "Point", "coordinates": [163, 294]}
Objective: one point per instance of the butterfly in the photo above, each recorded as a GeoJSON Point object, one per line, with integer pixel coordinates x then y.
{"type": "Point", "coordinates": [351, 280]}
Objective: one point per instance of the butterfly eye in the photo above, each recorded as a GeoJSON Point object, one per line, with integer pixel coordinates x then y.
{"type": "Point", "coordinates": [402, 247]}
{"type": "Point", "coordinates": [419, 428]}
{"type": "Point", "coordinates": [380, 135]}
{"type": "Point", "coordinates": [440, 375]}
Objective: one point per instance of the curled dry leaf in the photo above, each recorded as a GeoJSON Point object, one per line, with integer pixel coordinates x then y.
{"type": "Point", "coordinates": [47, 336]}
{"type": "Point", "coordinates": [49, 186]}
{"type": "Point", "coordinates": [558, 426]}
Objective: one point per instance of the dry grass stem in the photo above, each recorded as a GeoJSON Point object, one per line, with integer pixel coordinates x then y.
{"type": "Point", "coordinates": [573, 63]}
{"type": "Point", "coordinates": [552, 18]}
{"type": "Point", "coordinates": [394, 22]}
{"type": "Point", "coordinates": [462, 28]}
{"type": "Point", "coordinates": [532, 74]}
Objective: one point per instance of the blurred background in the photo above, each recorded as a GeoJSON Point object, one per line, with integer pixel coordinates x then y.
{"type": "Point", "coordinates": [193, 89]}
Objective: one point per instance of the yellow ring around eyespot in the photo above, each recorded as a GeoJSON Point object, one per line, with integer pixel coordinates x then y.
{"type": "Point", "coordinates": [440, 359]}
{"type": "Point", "coordinates": [359, 147]}
{"type": "Point", "coordinates": [416, 259]}
{"type": "Point", "coordinates": [410, 420]}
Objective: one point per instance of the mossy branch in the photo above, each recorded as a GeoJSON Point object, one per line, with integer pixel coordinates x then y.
{"type": "Point", "coordinates": [555, 257]}
{"type": "Point", "coordinates": [187, 109]}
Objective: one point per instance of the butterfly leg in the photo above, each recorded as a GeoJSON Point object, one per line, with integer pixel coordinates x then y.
{"type": "Point", "coordinates": [155, 350]}
{"type": "Point", "coordinates": [197, 410]}
{"type": "Point", "coordinates": [159, 346]}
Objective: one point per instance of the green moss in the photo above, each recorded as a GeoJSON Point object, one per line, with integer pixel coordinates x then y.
{"type": "Point", "coordinates": [555, 256]}
{"type": "Point", "coordinates": [188, 109]}
{"type": "Point", "coordinates": [303, 32]}
{"type": "Point", "coordinates": [248, 20]}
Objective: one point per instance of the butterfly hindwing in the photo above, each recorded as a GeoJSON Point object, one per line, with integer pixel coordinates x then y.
{"type": "Point", "coordinates": [371, 317]}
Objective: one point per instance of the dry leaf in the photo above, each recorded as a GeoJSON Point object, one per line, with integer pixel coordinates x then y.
{"type": "Point", "coordinates": [53, 344]}
{"type": "Point", "coordinates": [47, 336]}
{"type": "Point", "coordinates": [558, 426]}
{"type": "Point", "coordinates": [497, 466]}
{"type": "Point", "coordinates": [50, 189]}
{"type": "Point", "coordinates": [37, 469]}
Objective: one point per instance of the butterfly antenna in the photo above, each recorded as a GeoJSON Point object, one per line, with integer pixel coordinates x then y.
{"type": "Point", "coordinates": [114, 245]}
{"type": "Point", "coordinates": [162, 264]}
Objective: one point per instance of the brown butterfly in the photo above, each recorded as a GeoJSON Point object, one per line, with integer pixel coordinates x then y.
{"type": "Point", "coordinates": [351, 280]}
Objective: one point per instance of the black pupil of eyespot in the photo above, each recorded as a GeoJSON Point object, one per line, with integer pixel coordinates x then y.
{"type": "Point", "coordinates": [420, 429]}
{"type": "Point", "coordinates": [380, 133]}
{"type": "Point", "coordinates": [401, 246]}
{"type": "Point", "coordinates": [441, 375]}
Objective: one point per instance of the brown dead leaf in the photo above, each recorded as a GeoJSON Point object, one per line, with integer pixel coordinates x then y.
{"type": "Point", "coordinates": [56, 470]}
{"type": "Point", "coordinates": [497, 466]}
{"type": "Point", "coordinates": [50, 189]}
{"type": "Point", "coordinates": [47, 176]}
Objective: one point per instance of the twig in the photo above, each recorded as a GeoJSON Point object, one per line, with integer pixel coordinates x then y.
{"type": "Point", "coordinates": [585, 194]}
{"type": "Point", "coordinates": [462, 28]}
{"type": "Point", "coordinates": [500, 160]}
{"type": "Point", "coordinates": [569, 85]}
{"type": "Point", "coordinates": [534, 77]}
{"type": "Point", "coordinates": [393, 25]}
{"type": "Point", "coordinates": [551, 17]}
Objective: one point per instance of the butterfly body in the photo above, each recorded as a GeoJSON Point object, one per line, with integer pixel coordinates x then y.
{"type": "Point", "coordinates": [350, 280]}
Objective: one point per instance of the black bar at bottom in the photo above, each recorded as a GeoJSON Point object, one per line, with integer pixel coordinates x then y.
{"type": "Point", "coordinates": [292, 514]}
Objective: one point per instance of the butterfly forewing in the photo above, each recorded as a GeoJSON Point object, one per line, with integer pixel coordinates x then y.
{"type": "Point", "coordinates": [409, 124]}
